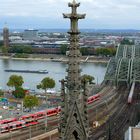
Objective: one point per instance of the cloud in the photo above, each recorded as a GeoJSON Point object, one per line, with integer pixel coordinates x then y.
{"type": "Point", "coordinates": [111, 13]}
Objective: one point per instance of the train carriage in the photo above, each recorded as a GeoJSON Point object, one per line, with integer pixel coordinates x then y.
{"type": "Point", "coordinates": [40, 115]}
{"type": "Point", "coordinates": [12, 124]}
{"type": "Point", "coordinates": [93, 98]}
{"type": "Point", "coordinates": [9, 120]}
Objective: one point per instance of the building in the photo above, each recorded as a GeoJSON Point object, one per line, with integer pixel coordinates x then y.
{"type": "Point", "coordinates": [133, 133]}
{"type": "Point", "coordinates": [6, 37]}
{"type": "Point", "coordinates": [30, 34]}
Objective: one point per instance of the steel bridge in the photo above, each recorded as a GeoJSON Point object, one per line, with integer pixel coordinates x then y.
{"type": "Point", "coordinates": [125, 66]}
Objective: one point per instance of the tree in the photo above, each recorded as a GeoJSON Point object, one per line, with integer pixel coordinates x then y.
{"type": "Point", "coordinates": [19, 93]}
{"type": "Point", "coordinates": [1, 93]}
{"type": "Point", "coordinates": [15, 81]}
{"type": "Point", "coordinates": [126, 41]}
{"type": "Point", "coordinates": [4, 50]}
{"type": "Point", "coordinates": [46, 83]}
{"type": "Point", "coordinates": [87, 78]}
{"type": "Point", "coordinates": [106, 51]}
{"type": "Point", "coordinates": [1, 43]}
{"type": "Point", "coordinates": [63, 49]}
{"type": "Point", "coordinates": [21, 49]}
{"type": "Point", "coordinates": [30, 101]}
{"type": "Point", "coordinates": [84, 51]}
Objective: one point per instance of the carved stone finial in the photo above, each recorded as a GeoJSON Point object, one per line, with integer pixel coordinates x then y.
{"type": "Point", "coordinates": [74, 2]}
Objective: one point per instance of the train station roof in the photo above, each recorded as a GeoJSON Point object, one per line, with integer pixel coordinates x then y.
{"type": "Point", "coordinates": [133, 133]}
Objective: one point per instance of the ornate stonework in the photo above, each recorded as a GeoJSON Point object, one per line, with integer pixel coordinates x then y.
{"type": "Point", "coordinates": [74, 119]}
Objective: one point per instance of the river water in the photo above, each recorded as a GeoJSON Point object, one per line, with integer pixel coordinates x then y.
{"type": "Point", "coordinates": [56, 71]}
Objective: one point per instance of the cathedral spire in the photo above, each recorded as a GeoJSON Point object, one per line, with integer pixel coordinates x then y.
{"type": "Point", "coordinates": [74, 122]}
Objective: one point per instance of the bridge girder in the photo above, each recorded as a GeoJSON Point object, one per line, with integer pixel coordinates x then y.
{"type": "Point", "coordinates": [135, 71]}
{"type": "Point", "coordinates": [130, 51]}
{"type": "Point", "coordinates": [125, 67]}
{"type": "Point", "coordinates": [137, 52]}
{"type": "Point", "coordinates": [112, 69]}
{"type": "Point", "coordinates": [120, 50]}
{"type": "Point", "coordinates": [125, 51]}
{"type": "Point", "coordinates": [123, 70]}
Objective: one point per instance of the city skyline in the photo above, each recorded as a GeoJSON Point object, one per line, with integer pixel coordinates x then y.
{"type": "Point", "coordinates": [107, 14]}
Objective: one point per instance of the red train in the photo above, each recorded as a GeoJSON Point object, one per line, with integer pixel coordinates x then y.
{"type": "Point", "coordinates": [17, 125]}
{"type": "Point", "coordinates": [12, 124]}
{"type": "Point", "coordinates": [9, 120]}
{"type": "Point", "coordinates": [93, 98]}
{"type": "Point", "coordinates": [27, 120]}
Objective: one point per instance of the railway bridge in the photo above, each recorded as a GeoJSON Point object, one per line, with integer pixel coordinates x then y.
{"type": "Point", "coordinates": [123, 73]}
{"type": "Point", "coordinates": [125, 66]}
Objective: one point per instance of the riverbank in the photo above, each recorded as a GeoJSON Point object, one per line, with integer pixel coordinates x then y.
{"type": "Point", "coordinates": [58, 58]}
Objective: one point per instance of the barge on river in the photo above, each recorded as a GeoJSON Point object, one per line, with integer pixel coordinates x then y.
{"type": "Point", "coordinates": [28, 71]}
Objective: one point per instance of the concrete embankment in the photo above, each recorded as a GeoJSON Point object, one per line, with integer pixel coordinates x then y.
{"type": "Point", "coordinates": [58, 58]}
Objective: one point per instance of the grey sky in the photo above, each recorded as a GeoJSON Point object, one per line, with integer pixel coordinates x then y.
{"type": "Point", "coordinates": [48, 13]}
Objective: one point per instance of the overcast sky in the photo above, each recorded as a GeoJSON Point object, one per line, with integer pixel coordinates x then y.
{"type": "Point", "coordinates": [101, 14]}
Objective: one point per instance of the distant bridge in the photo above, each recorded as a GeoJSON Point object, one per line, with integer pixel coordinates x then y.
{"type": "Point", "coordinates": [125, 66]}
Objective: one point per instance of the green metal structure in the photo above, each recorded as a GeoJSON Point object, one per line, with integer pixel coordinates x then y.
{"type": "Point", "coordinates": [123, 71]}
{"type": "Point", "coordinates": [112, 67]}
{"type": "Point", "coordinates": [135, 70]}
{"type": "Point", "coordinates": [125, 66]}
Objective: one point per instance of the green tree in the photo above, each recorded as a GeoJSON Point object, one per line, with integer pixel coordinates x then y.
{"type": "Point", "coordinates": [30, 101]}
{"type": "Point", "coordinates": [64, 48]}
{"type": "Point", "coordinates": [84, 51]}
{"type": "Point", "coordinates": [19, 92]}
{"type": "Point", "coordinates": [1, 43]}
{"type": "Point", "coordinates": [21, 49]}
{"type": "Point", "coordinates": [46, 83]}
{"type": "Point", "coordinates": [126, 41]}
{"type": "Point", "coordinates": [87, 78]}
{"type": "Point", "coordinates": [106, 51]}
{"type": "Point", "coordinates": [15, 81]}
{"type": "Point", "coordinates": [1, 93]}
{"type": "Point", "coordinates": [4, 50]}
{"type": "Point", "coordinates": [113, 51]}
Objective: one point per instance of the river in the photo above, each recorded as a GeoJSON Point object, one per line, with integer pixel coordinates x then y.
{"type": "Point", "coordinates": [56, 71]}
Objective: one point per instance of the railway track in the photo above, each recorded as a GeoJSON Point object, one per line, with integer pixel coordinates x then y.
{"type": "Point", "coordinates": [117, 117]}
{"type": "Point", "coordinates": [107, 94]}
{"type": "Point", "coordinates": [28, 132]}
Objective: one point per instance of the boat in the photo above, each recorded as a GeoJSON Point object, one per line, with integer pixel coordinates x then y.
{"type": "Point", "coordinates": [28, 71]}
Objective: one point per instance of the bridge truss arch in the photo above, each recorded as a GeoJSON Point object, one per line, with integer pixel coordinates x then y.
{"type": "Point", "coordinates": [112, 69]}
{"type": "Point", "coordinates": [135, 71]}
{"type": "Point", "coordinates": [123, 71]}
{"type": "Point", "coordinates": [125, 66]}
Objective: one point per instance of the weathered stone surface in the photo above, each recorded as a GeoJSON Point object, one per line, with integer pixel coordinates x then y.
{"type": "Point", "coordinates": [74, 119]}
